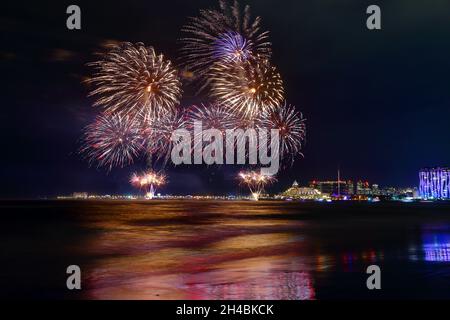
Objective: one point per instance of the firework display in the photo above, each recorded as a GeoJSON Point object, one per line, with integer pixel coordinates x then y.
{"type": "Point", "coordinates": [112, 141]}
{"type": "Point", "coordinates": [227, 34]}
{"type": "Point", "coordinates": [148, 181]}
{"type": "Point", "coordinates": [133, 79]}
{"type": "Point", "coordinates": [247, 89]}
{"type": "Point", "coordinates": [291, 127]}
{"type": "Point", "coordinates": [255, 182]}
{"type": "Point", "coordinates": [225, 50]}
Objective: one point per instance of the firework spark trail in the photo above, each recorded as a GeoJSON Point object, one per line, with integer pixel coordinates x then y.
{"type": "Point", "coordinates": [255, 182]}
{"type": "Point", "coordinates": [247, 143]}
{"type": "Point", "coordinates": [247, 89]}
{"type": "Point", "coordinates": [228, 34]}
{"type": "Point", "coordinates": [133, 79]}
{"type": "Point", "coordinates": [160, 141]}
{"type": "Point", "coordinates": [112, 141]}
{"type": "Point", "coordinates": [291, 127]}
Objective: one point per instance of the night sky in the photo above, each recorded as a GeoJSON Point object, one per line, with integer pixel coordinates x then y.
{"type": "Point", "coordinates": [377, 102]}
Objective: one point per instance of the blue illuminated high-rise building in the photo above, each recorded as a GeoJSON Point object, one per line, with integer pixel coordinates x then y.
{"type": "Point", "coordinates": [434, 183]}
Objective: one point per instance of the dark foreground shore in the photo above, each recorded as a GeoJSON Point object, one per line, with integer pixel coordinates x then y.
{"type": "Point", "coordinates": [224, 250]}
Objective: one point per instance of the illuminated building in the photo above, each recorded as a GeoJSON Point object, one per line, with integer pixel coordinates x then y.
{"type": "Point", "coordinates": [350, 187]}
{"type": "Point", "coordinates": [434, 183]}
{"type": "Point", "coordinates": [80, 195]}
{"type": "Point", "coordinates": [303, 193]}
{"type": "Point", "coordinates": [388, 191]}
{"type": "Point", "coordinates": [375, 190]}
{"type": "Point", "coordinates": [409, 192]}
{"type": "Point", "coordinates": [333, 187]}
{"type": "Point", "coordinates": [363, 188]}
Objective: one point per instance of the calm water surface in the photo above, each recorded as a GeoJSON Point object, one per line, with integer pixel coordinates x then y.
{"type": "Point", "coordinates": [224, 250]}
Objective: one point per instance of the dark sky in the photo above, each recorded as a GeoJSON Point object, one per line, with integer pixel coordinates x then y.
{"type": "Point", "coordinates": [377, 102]}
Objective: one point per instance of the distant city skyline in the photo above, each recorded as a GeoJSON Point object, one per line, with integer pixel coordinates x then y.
{"type": "Point", "coordinates": [330, 187]}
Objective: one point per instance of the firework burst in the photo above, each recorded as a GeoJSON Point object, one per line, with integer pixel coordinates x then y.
{"type": "Point", "coordinates": [158, 133]}
{"type": "Point", "coordinates": [247, 89]}
{"type": "Point", "coordinates": [133, 79]}
{"type": "Point", "coordinates": [255, 182]}
{"type": "Point", "coordinates": [228, 34]}
{"type": "Point", "coordinates": [232, 47]}
{"type": "Point", "coordinates": [112, 141]}
{"type": "Point", "coordinates": [291, 127]}
{"type": "Point", "coordinates": [212, 116]}
{"type": "Point", "coordinates": [148, 181]}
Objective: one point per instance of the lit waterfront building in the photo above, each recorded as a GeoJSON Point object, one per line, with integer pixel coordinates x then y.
{"type": "Point", "coordinates": [389, 191]}
{"type": "Point", "coordinates": [350, 187]}
{"type": "Point", "coordinates": [376, 190]}
{"type": "Point", "coordinates": [363, 188]}
{"type": "Point", "coordinates": [434, 183]}
{"type": "Point", "coordinates": [410, 192]}
{"type": "Point", "coordinates": [303, 193]}
{"type": "Point", "coordinates": [338, 187]}
{"type": "Point", "coordinates": [80, 195]}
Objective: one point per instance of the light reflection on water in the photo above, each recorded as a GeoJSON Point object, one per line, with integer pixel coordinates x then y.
{"type": "Point", "coordinates": [436, 245]}
{"type": "Point", "coordinates": [169, 253]}
{"type": "Point", "coordinates": [232, 250]}
{"type": "Point", "coordinates": [254, 278]}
